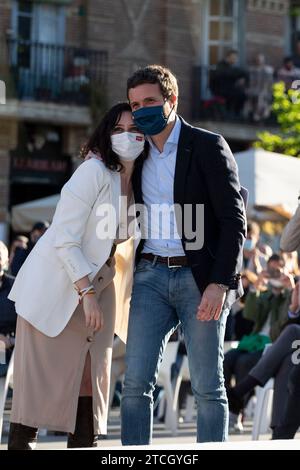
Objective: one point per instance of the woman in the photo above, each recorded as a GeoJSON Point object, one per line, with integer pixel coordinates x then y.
{"type": "Point", "coordinates": [65, 299]}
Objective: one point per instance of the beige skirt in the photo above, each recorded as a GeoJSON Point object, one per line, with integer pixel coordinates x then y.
{"type": "Point", "coordinates": [48, 371]}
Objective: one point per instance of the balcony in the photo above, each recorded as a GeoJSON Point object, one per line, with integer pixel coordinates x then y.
{"type": "Point", "coordinates": [238, 118]}
{"type": "Point", "coordinates": [55, 73]}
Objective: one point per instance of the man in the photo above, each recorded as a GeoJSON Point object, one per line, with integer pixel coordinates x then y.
{"type": "Point", "coordinates": [230, 81]}
{"type": "Point", "coordinates": [288, 73]}
{"type": "Point", "coordinates": [177, 280]}
{"type": "Point", "coordinates": [255, 260]}
{"type": "Point", "coordinates": [21, 253]}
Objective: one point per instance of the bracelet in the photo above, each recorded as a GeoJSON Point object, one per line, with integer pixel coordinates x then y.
{"type": "Point", "coordinates": [87, 290]}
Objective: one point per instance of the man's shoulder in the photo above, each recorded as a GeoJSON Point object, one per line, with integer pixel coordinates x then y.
{"type": "Point", "coordinates": [201, 133]}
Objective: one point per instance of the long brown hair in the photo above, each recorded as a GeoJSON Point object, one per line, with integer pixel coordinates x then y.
{"type": "Point", "coordinates": [100, 141]}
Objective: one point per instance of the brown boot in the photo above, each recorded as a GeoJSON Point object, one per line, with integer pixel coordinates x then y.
{"type": "Point", "coordinates": [84, 429]}
{"type": "Point", "coordinates": [21, 437]}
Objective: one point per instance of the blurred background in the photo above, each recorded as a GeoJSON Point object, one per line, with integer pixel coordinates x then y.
{"type": "Point", "coordinates": [65, 61]}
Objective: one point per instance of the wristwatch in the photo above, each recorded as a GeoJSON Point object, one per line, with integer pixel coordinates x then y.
{"type": "Point", "coordinates": [223, 287]}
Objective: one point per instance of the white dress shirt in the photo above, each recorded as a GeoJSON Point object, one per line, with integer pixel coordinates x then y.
{"type": "Point", "coordinates": [157, 187]}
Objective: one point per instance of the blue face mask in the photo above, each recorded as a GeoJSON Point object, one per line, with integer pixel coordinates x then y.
{"type": "Point", "coordinates": [249, 244]}
{"type": "Point", "coordinates": [150, 120]}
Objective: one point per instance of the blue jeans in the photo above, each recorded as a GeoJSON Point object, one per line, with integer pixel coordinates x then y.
{"type": "Point", "coordinates": [163, 298]}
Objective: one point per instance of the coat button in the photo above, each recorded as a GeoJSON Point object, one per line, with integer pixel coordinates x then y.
{"type": "Point", "coordinates": [100, 278]}
{"type": "Point", "coordinates": [89, 339]}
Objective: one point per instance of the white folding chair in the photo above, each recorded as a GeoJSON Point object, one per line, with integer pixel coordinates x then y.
{"type": "Point", "coordinates": [164, 380]}
{"type": "Point", "coordinates": [228, 345]}
{"type": "Point", "coordinates": [5, 383]}
{"type": "Point", "coordinates": [263, 410]}
{"type": "Point", "coordinates": [264, 405]}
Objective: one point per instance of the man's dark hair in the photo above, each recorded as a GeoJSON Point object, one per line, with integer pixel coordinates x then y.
{"type": "Point", "coordinates": [278, 258]}
{"type": "Point", "coordinates": [44, 225]}
{"type": "Point", "coordinates": [155, 74]}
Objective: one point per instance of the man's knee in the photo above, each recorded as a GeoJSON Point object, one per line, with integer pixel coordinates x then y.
{"type": "Point", "coordinates": [137, 385]}
{"type": "Point", "coordinates": [291, 332]}
{"type": "Point", "coordinates": [294, 381]}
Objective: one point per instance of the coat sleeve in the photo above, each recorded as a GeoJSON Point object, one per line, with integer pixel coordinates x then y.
{"type": "Point", "coordinates": [225, 195]}
{"type": "Point", "coordinates": [73, 210]}
{"type": "Point", "coordinates": [290, 239]}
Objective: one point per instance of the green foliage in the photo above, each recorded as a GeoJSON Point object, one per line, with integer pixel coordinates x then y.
{"type": "Point", "coordinates": [286, 107]}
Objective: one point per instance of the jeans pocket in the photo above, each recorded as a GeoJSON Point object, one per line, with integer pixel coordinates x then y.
{"type": "Point", "coordinates": [143, 266]}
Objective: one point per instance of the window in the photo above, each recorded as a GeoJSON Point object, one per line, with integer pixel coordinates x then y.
{"type": "Point", "coordinates": [221, 30]}
{"type": "Point", "coordinates": [40, 22]}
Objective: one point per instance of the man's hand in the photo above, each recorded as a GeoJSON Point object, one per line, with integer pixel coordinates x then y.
{"type": "Point", "coordinates": [211, 304]}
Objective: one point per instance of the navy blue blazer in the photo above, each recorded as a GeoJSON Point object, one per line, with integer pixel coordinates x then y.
{"type": "Point", "coordinates": [206, 173]}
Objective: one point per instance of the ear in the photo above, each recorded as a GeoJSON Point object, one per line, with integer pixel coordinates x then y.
{"type": "Point", "coordinates": [173, 98]}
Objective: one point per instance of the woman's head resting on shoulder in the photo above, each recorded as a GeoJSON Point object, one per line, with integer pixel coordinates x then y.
{"type": "Point", "coordinates": [116, 139]}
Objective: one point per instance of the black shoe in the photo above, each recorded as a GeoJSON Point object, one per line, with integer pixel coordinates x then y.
{"type": "Point", "coordinates": [84, 431]}
{"type": "Point", "coordinates": [21, 437]}
{"type": "Point", "coordinates": [236, 404]}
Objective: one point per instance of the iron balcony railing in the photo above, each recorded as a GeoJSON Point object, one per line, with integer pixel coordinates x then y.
{"type": "Point", "coordinates": [55, 73]}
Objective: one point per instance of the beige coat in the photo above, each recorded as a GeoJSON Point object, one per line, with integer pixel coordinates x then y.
{"type": "Point", "coordinates": [74, 246]}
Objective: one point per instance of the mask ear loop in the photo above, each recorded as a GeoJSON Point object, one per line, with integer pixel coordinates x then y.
{"type": "Point", "coordinates": [168, 117]}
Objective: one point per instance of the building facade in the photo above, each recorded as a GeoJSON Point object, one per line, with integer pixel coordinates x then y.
{"type": "Point", "coordinates": [64, 61]}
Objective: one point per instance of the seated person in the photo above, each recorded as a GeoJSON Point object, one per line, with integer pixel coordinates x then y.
{"type": "Point", "coordinates": [267, 306]}
{"type": "Point", "coordinates": [8, 316]}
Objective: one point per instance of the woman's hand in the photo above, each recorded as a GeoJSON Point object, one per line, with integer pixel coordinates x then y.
{"type": "Point", "coordinates": [92, 312]}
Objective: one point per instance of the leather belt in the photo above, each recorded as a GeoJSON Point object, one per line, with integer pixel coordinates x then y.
{"type": "Point", "coordinates": [171, 261]}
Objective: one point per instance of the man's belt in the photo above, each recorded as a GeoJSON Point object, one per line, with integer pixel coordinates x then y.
{"type": "Point", "coordinates": [170, 261]}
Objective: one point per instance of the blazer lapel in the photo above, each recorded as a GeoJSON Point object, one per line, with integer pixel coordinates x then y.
{"type": "Point", "coordinates": [182, 164]}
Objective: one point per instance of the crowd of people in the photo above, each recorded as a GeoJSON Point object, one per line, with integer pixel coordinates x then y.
{"type": "Point", "coordinates": [247, 93]}
{"type": "Point", "coordinates": [11, 261]}
{"type": "Point", "coordinates": [270, 312]}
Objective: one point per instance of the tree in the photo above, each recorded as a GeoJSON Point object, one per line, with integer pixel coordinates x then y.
{"type": "Point", "coordinates": [286, 107]}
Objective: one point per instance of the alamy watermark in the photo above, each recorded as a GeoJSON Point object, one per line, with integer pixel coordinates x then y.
{"type": "Point", "coordinates": [296, 354]}
{"type": "Point", "coordinates": [155, 222]}
{"type": "Point", "coordinates": [2, 92]}
{"type": "Point", "coordinates": [296, 88]}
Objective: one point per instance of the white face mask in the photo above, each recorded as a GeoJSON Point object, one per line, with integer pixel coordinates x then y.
{"type": "Point", "coordinates": [128, 145]}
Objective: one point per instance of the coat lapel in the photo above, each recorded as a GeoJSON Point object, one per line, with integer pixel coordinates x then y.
{"type": "Point", "coordinates": [182, 161]}
{"type": "Point", "coordinates": [182, 165]}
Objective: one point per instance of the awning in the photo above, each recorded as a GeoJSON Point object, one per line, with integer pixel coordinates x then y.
{"type": "Point", "coordinates": [273, 182]}
{"type": "Point", "coordinates": [25, 215]}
